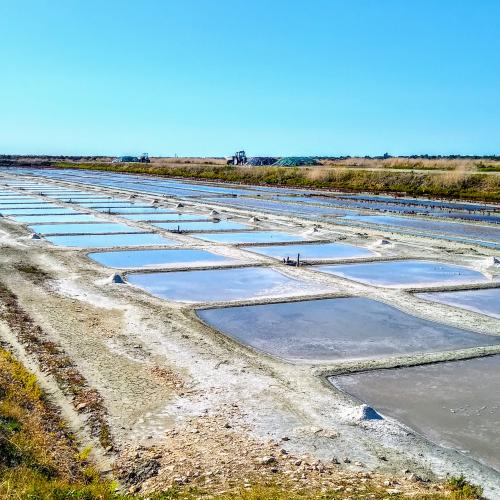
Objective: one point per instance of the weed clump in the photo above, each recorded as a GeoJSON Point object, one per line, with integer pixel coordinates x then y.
{"type": "Point", "coordinates": [461, 489]}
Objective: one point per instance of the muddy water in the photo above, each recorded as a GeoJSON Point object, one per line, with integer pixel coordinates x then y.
{"type": "Point", "coordinates": [332, 329]}
{"type": "Point", "coordinates": [221, 284]}
{"type": "Point", "coordinates": [131, 259]}
{"type": "Point", "coordinates": [405, 273]}
{"type": "Point", "coordinates": [481, 301]}
{"type": "Point", "coordinates": [454, 404]}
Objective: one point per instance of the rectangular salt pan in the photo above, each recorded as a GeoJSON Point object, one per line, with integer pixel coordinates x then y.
{"type": "Point", "coordinates": [166, 217]}
{"type": "Point", "coordinates": [130, 259]}
{"type": "Point", "coordinates": [94, 228]}
{"type": "Point", "coordinates": [251, 237]}
{"type": "Point", "coordinates": [413, 273]}
{"type": "Point", "coordinates": [30, 219]}
{"type": "Point", "coordinates": [320, 251]}
{"type": "Point", "coordinates": [110, 240]}
{"type": "Point", "coordinates": [38, 211]}
{"type": "Point", "coordinates": [454, 404]}
{"type": "Point", "coordinates": [223, 225]}
{"type": "Point", "coordinates": [472, 231]}
{"type": "Point", "coordinates": [128, 209]}
{"type": "Point", "coordinates": [221, 284]}
{"type": "Point", "coordinates": [333, 329]}
{"type": "Point", "coordinates": [482, 301]}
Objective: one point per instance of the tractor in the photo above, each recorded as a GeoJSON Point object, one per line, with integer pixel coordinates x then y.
{"type": "Point", "coordinates": [239, 158]}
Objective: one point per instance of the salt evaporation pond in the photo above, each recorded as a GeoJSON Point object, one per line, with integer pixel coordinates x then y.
{"type": "Point", "coordinates": [405, 273]}
{"type": "Point", "coordinates": [332, 329]}
{"type": "Point", "coordinates": [76, 217]}
{"type": "Point", "coordinates": [166, 217]}
{"type": "Point", "coordinates": [93, 228]}
{"type": "Point", "coordinates": [317, 251]}
{"type": "Point", "coordinates": [221, 284]}
{"type": "Point", "coordinates": [223, 225]}
{"type": "Point", "coordinates": [456, 229]}
{"type": "Point", "coordinates": [111, 202]}
{"type": "Point", "coordinates": [19, 203]}
{"type": "Point", "coordinates": [38, 211]}
{"type": "Point", "coordinates": [133, 259]}
{"type": "Point", "coordinates": [129, 210]}
{"type": "Point", "coordinates": [485, 301]}
{"type": "Point", "coordinates": [110, 240]}
{"type": "Point", "coordinates": [251, 237]}
{"type": "Point", "coordinates": [453, 404]}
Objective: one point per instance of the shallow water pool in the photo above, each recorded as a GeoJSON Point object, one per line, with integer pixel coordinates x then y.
{"type": "Point", "coordinates": [251, 237]}
{"type": "Point", "coordinates": [223, 225]}
{"type": "Point", "coordinates": [221, 284]}
{"type": "Point", "coordinates": [129, 209]}
{"type": "Point", "coordinates": [482, 301]}
{"type": "Point", "coordinates": [405, 273]}
{"type": "Point", "coordinates": [454, 404]}
{"type": "Point", "coordinates": [166, 216]}
{"type": "Point", "coordinates": [38, 211]}
{"type": "Point", "coordinates": [455, 229]}
{"type": "Point", "coordinates": [110, 240]}
{"type": "Point", "coordinates": [75, 217]}
{"type": "Point", "coordinates": [317, 251]}
{"type": "Point", "coordinates": [130, 259]}
{"type": "Point", "coordinates": [94, 228]}
{"type": "Point", "coordinates": [332, 329]}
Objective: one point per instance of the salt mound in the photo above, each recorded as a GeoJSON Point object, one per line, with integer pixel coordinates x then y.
{"type": "Point", "coordinates": [179, 205]}
{"type": "Point", "coordinates": [254, 219]}
{"type": "Point", "coordinates": [116, 278]}
{"type": "Point", "coordinates": [383, 242]}
{"type": "Point", "coordinates": [36, 236]}
{"type": "Point", "coordinates": [492, 261]}
{"type": "Point", "coordinates": [365, 412]}
{"type": "Point", "coordinates": [214, 212]}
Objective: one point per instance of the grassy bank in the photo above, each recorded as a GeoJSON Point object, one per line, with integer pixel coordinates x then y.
{"type": "Point", "coordinates": [54, 360]}
{"type": "Point", "coordinates": [39, 458]}
{"type": "Point", "coordinates": [473, 186]}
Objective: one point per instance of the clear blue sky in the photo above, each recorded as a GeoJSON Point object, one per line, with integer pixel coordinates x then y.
{"type": "Point", "coordinates": [277, 77]}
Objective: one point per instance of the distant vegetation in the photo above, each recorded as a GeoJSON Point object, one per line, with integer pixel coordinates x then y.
{"type": "Point", "coordinates": [454, 180]}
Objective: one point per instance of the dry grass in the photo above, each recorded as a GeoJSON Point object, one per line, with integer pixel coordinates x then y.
{"type": "Point", "coordinates": [38, 455]}
{"type": "Point", "coordinates": [467, 165]}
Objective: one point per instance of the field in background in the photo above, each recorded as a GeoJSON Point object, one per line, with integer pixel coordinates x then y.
{"type": "Point", "coordinates": [466, 179]}
{"type": "Point", "coordinates": [474, 178]}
